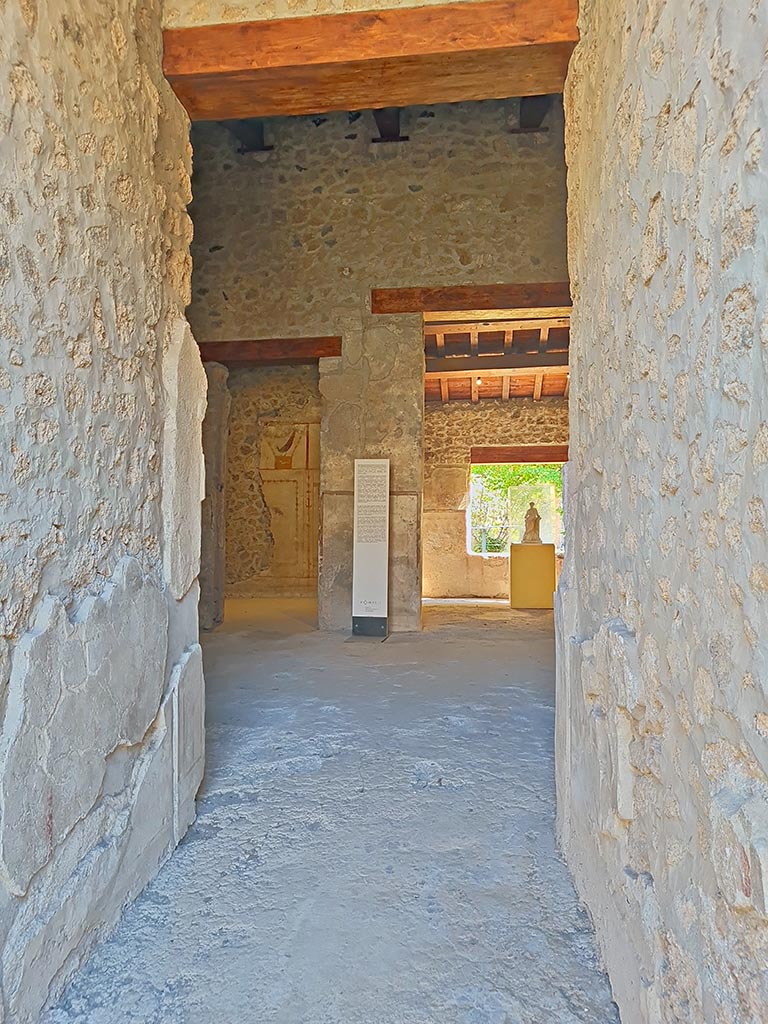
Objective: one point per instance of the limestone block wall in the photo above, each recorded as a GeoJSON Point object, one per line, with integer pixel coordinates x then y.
{"type": "Point", "coordinates": [662, 704]}
{"type": "Point", "coordinates": [101, 400]}
{"type": "Point", "coordinates": [291, 242]}
{"type": "Point", "coordinates": [184, 13]}
{"type": "Point", "coordinates": [262, 398]}
{"type": "Point", "coordinates": [450, 431]}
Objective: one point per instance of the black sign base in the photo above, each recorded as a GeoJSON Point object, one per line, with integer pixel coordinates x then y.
{"type": "Point", "coordinates": [369, 625]}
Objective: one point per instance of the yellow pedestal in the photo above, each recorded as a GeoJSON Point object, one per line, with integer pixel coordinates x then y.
{"type": "Point", "coordinates": [531, 575]}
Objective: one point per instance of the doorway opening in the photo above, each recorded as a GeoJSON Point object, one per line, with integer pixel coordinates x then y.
{"type": "Point", "coordinates": [496, 435]}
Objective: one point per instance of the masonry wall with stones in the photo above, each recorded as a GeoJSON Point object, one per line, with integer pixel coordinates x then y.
{"type": "Point", "coordinates": [101, 400]}
{"type": "Point", "coordinates": [185, 13]}
{"type": "Point", "coordinates": [290, 243]}
{"type": "Point", "coordinates": [662, 704]}
{"type": "Point", "coordinates": [263, 398]}
{"type": "Point", "coordinates": [450, 431]}
{"type": "Point", "coordinates": [213, 553]}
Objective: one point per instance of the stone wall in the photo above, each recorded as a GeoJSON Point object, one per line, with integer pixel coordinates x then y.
{"type": "Point", "coordinates": [662, 705]}
{"type": "Point", "coordinates": [450, 431]}
{"type": "Point", "coordinates": [184, 13]}
{"type": "Point", "coordinates": [213, 554]}
{"type": "Point", "coordinates": [291, 242]}
{"type": "Point", "coordinates": [262, 398]}
{"type": "Point", "coordinates": [101, 398]}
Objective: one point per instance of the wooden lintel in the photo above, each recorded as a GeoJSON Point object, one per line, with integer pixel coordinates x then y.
{"type": "Point", "coordinates": [491, 49]}
{"type": "Point", "coordinates": [269, 351]}
{"type": "Point", "coordinates": [474, 297]}
{"type": "Point", "coordinates": [536, 453]}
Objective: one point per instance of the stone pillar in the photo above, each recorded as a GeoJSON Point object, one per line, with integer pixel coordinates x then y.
{"type": "Point", "coordinates": [214, 509]}
{"type": "Point", "coordinates": [372, 407]}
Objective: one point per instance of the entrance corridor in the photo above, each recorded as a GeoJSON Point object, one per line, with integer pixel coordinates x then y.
{"type": "Point", "coordinates": [374, 841]}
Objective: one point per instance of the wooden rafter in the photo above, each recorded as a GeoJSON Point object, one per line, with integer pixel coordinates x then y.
{"type": "Point", "coordinates": [270, 351]}
{"type": "Point", "coordinates": [493, 372]}
{"type": "Point", "coordinates": [372, 59]}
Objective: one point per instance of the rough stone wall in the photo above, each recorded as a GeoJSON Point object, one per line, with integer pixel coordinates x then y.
{"type": "Point", "coordinates": [214, 508]}
{"type": "Point", "coordinates": [450, 431]}
{"type": "Point", "coordinates": [285, 240]}
{"type": "Point", "coordinates": [183, 13]}
{"type": "Point", "coordinates": [291, 242]}
{"type": "Point", "coordinates": [662, 703]}
{"type": "Point", "coordinates": [260, 397]}
{"type": "Point", "coordinates": [101, 399]}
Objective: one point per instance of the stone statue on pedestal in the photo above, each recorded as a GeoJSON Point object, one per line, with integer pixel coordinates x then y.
{"type": "Point", "coordinates": [532, 521]}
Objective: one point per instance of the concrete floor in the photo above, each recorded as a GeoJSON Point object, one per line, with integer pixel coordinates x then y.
{"type": "Point", "coordinates": [374, 842]}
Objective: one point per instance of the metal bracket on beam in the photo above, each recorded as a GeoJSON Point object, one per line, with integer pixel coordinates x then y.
{"type": "Point", "coordinates": [250, 134]}
{"type": "Point", "coordinates": [388, 123]}
{"type": "Point", "coordinates": [533, 110]}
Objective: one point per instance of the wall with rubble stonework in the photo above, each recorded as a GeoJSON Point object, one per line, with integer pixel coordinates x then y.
{"type": "Point", "coordinates": [101, 400]}
{"type": "Point", "coordinates": [185, 13]}
{"type": "Point", "coordinates": [662, 704]}
{"type": "Point", "coordinates": [290, 243]}
{"type": "Point", "coordinates": [450, 431]}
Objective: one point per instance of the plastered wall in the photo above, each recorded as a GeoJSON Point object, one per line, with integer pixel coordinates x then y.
{"type": "Point", "coordinates": [662, 704]}
{"type": "Point", "coordinates": [450, 431]}
{"type": "Point", "coordinates": [101, 399]}
{"type": "Point", "coordinates": [291, 242]}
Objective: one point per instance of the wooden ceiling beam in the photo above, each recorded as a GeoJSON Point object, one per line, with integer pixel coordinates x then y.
{"type": "Point", "coordinates": [533, 362]}
{"type": "Point", "coordinates": [491, 372]}
{"type": "Point", "coordinates": [494, 326]}
{"type": "Point", "coordinates": [269, 351]}
{"type": "Point", "coordinates": [490, 49]}
{"type": "Point", "coordinates": [471, 297]}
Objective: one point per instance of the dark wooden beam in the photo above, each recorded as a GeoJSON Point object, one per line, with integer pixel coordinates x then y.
{"type": "Point", "coordinates": [388, 124]}
{"type": "Point", "coordinates": [533, 110]}
{"type": "Point", "coordinates": [499, 364]}
{"type": "Point", "coordinates": [536, 453]}
{"type": "Point", "coordinates": [269, 351]}
{"type": "Point", "coordinates": [250, 134]}
{"type": "Point", "coordinates": [470, 297]}
{"type": "Point", "coordinates": [491, 49]}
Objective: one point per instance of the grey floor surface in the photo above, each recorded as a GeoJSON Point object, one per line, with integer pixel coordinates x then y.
{"type": "Point", "coordinates": [374, 842]}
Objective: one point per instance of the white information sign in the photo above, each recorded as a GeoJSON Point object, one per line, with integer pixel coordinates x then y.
{"type": "Point", "coordinates": [370, 565]}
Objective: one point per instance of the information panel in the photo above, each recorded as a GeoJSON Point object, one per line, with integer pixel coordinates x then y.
{"type": "Point", "coordinates": [370, 566]}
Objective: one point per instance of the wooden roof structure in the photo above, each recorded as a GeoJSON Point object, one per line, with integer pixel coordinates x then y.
{"type": "Point", "coordinates": [512, 356]}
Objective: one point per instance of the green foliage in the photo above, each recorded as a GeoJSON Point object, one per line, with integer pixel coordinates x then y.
{"type": "Point", "coordinates": [501, 477]}
{"type": "Point", "coordinates": [498, 513]}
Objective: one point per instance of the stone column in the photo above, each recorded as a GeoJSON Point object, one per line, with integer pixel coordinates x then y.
{"type": "Point", "coordinates": [214, 509]}
{"type": "Point", "coordinates": [372, 407]}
